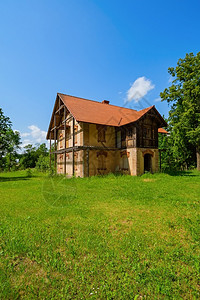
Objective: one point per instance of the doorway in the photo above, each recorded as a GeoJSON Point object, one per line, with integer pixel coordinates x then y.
{"type": "Point", "coordinates": [147, 162]}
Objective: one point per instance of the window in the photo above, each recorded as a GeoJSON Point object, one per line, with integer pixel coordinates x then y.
{"type": "Point", "coordinates": [101, 133]}
{"type": "Point", "coordinates": [130, 133]}
{"type": "Point", "coordinates": [147, 133]}
{"type": "Point", "coordinates": [68, 133]}
{"type": "Point", "coordinates": [124, 163]}
{"type": "Point", "coordinates": [119, 144]}
{"type": "Point", "coordinates": [123, 133]}
{"type": "Point", "coordinates": [101, 157]}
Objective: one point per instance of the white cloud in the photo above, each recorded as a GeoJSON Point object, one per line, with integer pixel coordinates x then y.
{"type": "Point", "coordinates": [157, 99]}
{"type": "Point", "coordinates": [34, 136]}
{"type": "Point", "coordinates": [25, 134]}
{"type": "Point", "coordinates": [37, 134]}
{"type": "Point", "coordinates": [140, 87]}
{"type": "Point", "coordinates": [25, 143]}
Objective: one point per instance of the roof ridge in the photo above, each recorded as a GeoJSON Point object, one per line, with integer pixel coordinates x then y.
{"type": "Point", "coordinates": [98, 102]}
{"type": "Point", "coordinates": [146, 108]}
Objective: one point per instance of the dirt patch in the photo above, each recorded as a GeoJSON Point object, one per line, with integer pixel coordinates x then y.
{"type": "Point", "coordinates": [148, 180]}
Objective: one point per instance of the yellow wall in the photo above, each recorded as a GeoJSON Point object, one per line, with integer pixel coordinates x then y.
{"type": "Point", "coordinates": [91, 136]}
{"type": "Point", "coordinates": [140, 160]}
{"type": "Point", "coordinates": [127, 161]}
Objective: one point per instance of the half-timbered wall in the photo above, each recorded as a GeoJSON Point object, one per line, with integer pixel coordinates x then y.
{"type": "Point", "coordinates": [105, 149]}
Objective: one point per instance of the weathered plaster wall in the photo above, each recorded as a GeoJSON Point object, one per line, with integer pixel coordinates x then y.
{"type": "Point", "coordinates": [78, 164]}
{"type": "Point", "coordinates": [140, 160]}
{"type": "Point", "coordinates": [91, 136]}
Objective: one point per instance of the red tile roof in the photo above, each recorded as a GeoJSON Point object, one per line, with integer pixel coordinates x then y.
{"type": "Point", "coordinates": [90, 111]}
{"type": "Point", "coordinates": [162, 130]}
{"type": "Point", "coordinates": [95, 112]}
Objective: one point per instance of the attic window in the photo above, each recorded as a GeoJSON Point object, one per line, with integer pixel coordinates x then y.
{"type": "Point", "coordinates": [101, 133]}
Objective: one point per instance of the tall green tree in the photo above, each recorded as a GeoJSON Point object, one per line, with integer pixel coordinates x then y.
{"type": "Point", "coordinates": [29, 157]}
{"type": "Point", "coordinates": [13, 146]}
{"type": "Point", "coordinates": [184, 116]}
{"type": "Point", "coordinates": [31, 154]}
{"type": "Point", "coordinates": [9, 142]}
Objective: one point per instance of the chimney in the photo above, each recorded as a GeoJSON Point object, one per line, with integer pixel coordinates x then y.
{"type": "Point", "coordinates": [105, 102]}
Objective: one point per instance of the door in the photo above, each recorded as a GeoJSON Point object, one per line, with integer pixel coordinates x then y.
{"type": "Point", "coordinates": [147, 163]}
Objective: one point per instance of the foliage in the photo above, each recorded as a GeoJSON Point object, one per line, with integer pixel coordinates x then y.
{"type": "Point", "coordinates": [112, 237]}
{"type": "Point", "coordinates": [5, 126]}
{"type": "Point", "coordinates": [29, 172]}
{"type": "Point", "coordinates": [184, 115]}
{"type": "Point", "coordinates": [42, 163]}
{"type": "Point", "coordinates": [31, 155]}
{"type": "Point", "coordinates": [9, 143]}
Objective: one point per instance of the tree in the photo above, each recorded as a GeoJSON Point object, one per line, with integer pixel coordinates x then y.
{"type": "Point", "coordinates": [9, 142]}
{"type": "Point", "coordinates": [31, 155]}
{"type": "Point", "coordinates": [184, 115]}
{"type": "Point", "coordinates": [13, 146]}
{"type": "Point", "coordinates": [42, 150]}
{"type": "Point", "coordinates": [43, 163]}
{"type": "Point", "coordinates": [5, 126]}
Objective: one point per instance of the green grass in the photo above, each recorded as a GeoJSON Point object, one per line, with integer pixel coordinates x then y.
{"type": "Point", "coordinates": [115, 237]}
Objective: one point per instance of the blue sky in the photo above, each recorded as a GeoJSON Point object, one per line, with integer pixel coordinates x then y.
{"type": "Point", "coordinates": [94, 49]}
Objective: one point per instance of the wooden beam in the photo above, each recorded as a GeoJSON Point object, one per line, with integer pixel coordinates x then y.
{"type": "Point", "coordinates": [59, 109]}
{"type": "Point", "coordinates": [67, 119]}
{"type": "Point", "coordinates": [65, 141]}
{"type": "Point", "coordinates": [50, 154]}
{"type": "Point", "coordinates": [55, 146]}
{"type": "Point", "coordinates": [73, 143]}
{"type": "Point", "coordinates": [160, 160]}
{"type": "Point", "coordinates": [61, 126]}
{"type": "Point", "coordinates": [87, 158]}
{"type": "Point", "coordinates": [59, 105]}
{"type": "Point", "coordinates": [53, 128]}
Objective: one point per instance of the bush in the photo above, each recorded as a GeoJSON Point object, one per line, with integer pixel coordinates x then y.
{"type": "Point", "coordinates": [29, 173]}
{"type": "Point", "coordinates": [43, 163]}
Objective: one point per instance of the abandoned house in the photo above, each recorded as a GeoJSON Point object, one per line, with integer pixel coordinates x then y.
{"type": "Point", "coordinates": [93, 138]}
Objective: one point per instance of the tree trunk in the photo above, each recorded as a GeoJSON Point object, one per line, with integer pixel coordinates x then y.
{"type": "Point", "coordinates": [198, 158]}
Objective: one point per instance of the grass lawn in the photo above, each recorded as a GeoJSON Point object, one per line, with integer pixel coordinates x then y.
{"type": "Point", "coordinates": [115, 237]}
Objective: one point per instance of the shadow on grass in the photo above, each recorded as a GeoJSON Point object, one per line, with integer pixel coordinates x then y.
{"type": "Point", "coordinates": [4, 179]}
{"type": "Point", "coordinates": [182, 173]}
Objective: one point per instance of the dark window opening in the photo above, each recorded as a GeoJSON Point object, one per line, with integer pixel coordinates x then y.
{"type": "Point", "coordinates": [130, 133]}
{"type": "Point", "coordinates": [123, 135]}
